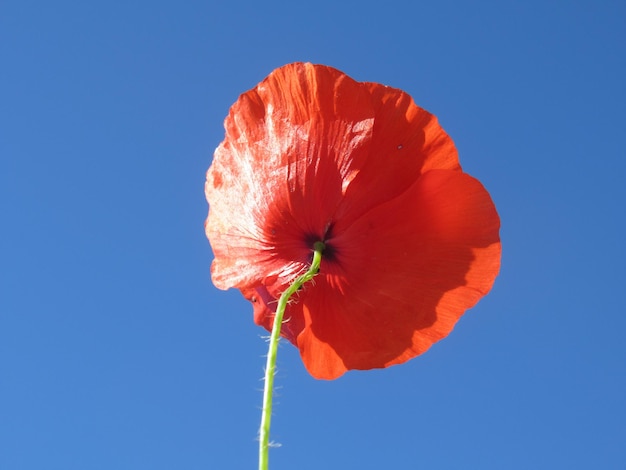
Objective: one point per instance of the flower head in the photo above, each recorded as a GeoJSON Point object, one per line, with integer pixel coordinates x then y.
{"type": "Point", "coordinates": [411, 241]}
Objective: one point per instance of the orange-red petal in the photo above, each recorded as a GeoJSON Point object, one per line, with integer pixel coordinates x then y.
{"type": "Point", "coordinates": [288, 149]}
{"type": "Point", "coordinates": [404, 274]}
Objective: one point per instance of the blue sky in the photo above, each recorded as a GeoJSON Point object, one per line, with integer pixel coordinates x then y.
{"type": "Point", "coordinates": [116, 352]}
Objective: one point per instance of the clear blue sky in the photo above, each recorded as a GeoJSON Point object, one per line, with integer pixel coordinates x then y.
{"type": "Point", "coordinates": [116, 352]}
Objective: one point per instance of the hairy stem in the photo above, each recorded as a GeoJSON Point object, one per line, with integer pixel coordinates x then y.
{"type": "Point", "coordinates": [270, 367]}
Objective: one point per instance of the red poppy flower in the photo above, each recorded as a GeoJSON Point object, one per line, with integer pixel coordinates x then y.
{"type": "Point", "coordinates": [411, 241]}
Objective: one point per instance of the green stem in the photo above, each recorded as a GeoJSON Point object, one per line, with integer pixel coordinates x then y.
{"type": "Point", "coordinates": [270, 367]}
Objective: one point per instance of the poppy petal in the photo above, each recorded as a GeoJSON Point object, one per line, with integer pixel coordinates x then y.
{"type": "Point", "coordinates": [405, 273]}
{"type": "Point", "coordinates": [406, 141]}
{"type": "Point", "coordinates": [288, 147]}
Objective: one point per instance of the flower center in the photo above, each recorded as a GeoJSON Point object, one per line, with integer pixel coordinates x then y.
{"type": "Point", "coordinates": [322, 242]}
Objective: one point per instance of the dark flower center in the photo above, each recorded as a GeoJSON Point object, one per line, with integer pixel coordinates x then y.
{"type": "Point", "coordinates": [330, 254]}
